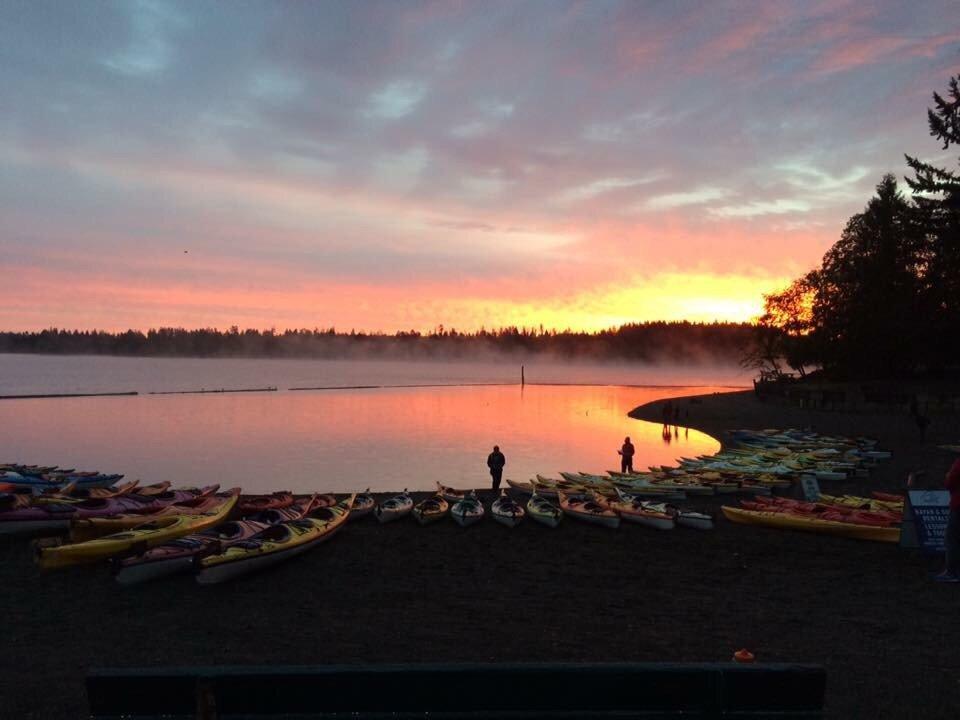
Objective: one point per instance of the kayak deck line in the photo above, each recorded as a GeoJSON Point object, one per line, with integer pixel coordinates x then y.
{"type": "Point", "coordinates": [37, 396]}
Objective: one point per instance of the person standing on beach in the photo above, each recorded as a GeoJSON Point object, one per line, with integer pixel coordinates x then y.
{"type": "Point", "coordinates": [667, 412]}
{"type": "Point", "coordinates": [626, 456]}
{"type": "Point", "coordinates": [951, 573]}
{"type": "Point", "coordinates": [496, 461]}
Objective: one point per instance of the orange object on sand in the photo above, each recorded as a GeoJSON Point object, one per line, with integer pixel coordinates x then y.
{"type": "Point", "coordinates": [743, 656]}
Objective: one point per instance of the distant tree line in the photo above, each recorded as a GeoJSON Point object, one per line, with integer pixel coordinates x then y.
{"type": "Point", "coordinates": [885, 302]}
{"type": "Point", "coordinates": [653, 341]}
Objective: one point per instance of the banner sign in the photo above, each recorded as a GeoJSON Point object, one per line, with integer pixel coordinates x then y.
{"type": "Point", "coordinates": [931, 512]}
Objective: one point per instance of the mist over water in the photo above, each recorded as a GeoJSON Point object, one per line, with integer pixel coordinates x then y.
{"type": "Point", "coordinates": [47, 374]}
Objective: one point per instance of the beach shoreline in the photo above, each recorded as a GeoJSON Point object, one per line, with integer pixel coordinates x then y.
{"type": "Point", "coordinates": [403, 593]}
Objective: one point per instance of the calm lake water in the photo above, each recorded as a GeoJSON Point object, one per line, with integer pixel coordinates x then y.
{"type": "Point", "coordinates": [386, 438]}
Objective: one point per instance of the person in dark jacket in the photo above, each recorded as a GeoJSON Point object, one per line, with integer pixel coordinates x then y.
{"type": "Point", "coordinates": [626, 456]}
{"type": "Point", "coordinates": [496, 461]}
{"type": "Point", "coordinates": [951, 482]}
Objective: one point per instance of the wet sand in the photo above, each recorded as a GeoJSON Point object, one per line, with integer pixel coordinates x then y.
{"type": "Point", "coordinates": [402, 593]}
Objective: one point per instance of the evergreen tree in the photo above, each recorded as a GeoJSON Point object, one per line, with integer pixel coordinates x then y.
{"type": "Point", "coordinates": [864, 313]}
{"type": "Point", "coordinates": [937, 195]}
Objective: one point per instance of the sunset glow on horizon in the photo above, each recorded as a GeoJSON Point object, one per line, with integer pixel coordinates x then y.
{"type": "Point", "coordinates": [396, 166]}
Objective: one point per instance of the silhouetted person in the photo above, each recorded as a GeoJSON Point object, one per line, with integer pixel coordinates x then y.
{"type": "Point", "coordinates": [626, 456]}
{"type": "Point", "coordinates": [667, 412]}
{"type": "Point", "coordinates": [496, 461]}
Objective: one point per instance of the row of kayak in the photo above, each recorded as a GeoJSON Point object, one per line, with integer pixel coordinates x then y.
{"type": "Point", "coordinates": [821, 517]}
{"type": "Point", "coordinates": [808, 440]}
{"type": "Point", "coordinates": [662, 485]}
{"type": "Point", "coordinates": [789, 453]}
{"type": "Point", "coordinates": [466, 509]}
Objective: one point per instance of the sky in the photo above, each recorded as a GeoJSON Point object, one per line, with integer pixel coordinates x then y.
{"type": "Point", "coordinates": [403, 165]}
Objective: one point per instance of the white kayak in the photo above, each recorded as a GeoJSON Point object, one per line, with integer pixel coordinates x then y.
{"type": "Point", "coordinates": [467, 511]}
{"type": "Point", "coordinates": [544, 511]}
{"type": "Point", "coordinates": [506, 511]}
{"type": "Point", "coordinates": [586, 508]}
{"type": "Point", "coordinates": [395, 507]}
{"type": "Point", "coordinates": [363, 504]}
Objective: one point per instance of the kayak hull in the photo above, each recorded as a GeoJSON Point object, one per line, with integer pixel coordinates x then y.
{"type": "Point", "coordinates": [143, 572]}
{"type": "Point", "coordinates": [229, 571]}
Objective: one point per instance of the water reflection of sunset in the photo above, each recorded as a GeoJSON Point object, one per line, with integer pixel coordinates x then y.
{"type": "Point", "coordinates": [346, 440]}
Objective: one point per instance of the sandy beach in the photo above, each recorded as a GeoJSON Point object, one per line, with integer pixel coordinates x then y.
{"type": "Point", "coordinates": [402, 593]}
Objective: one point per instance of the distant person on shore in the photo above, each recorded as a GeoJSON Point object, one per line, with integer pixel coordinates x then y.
{"type": "Point", "coordinates": [496, 461]}
{"type": "Point", "coordinates": [626, 456]}
{"type": "Point", "coordinates": [951, 573]}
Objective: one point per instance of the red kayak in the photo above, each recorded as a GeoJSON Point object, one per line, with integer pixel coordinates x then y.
{"type": "Point", "coordinates": [259, 503]}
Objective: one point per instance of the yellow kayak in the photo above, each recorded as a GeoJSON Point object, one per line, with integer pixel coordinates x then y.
{"type": "Point", "coordinates": [142, 537]}
{"type": "Point", "coordinates": [796, 522]}
{"type": "Point", "coordinates": [275, 544]}
{"type": "Point", "coordinates": [90, 528]}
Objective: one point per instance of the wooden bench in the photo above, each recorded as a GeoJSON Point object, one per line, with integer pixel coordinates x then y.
{"type": "Point", "coordinates": [642, 690]}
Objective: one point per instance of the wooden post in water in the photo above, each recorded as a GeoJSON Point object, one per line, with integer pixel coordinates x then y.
{"type": "Point", "coordinates": [522, 380]}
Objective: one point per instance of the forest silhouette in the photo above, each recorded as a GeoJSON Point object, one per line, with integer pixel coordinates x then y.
{"type": "Point", "coordinates": [648, 342]}
{"type": "Point", "coordinates": [885, 301]}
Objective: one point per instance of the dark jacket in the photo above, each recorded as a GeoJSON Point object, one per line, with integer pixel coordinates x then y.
{"type": "Point", "coordinates": [627, 450]}
{"type": "Point", "coordinates": [496, 461]}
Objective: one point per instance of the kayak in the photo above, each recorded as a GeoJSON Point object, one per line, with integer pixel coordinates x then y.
{"type": "Point", "coordinates": [182, 554]}
{"type": "Point", "coordinates": [90, 527]}
{"type": "Point", "coordinates": [58, 481]}
{"type": "Point", "coordinates": [395, 507]}
{"type": "Point", "coordinates": [138, 539]}
{"type": "Point", "coordinates": [691, 519]}
{"type": "Point", "coordinates": [452, 494]}
{"type": "Point", "coordinates": [544, 511]}
{"type": "Point", "coordinates": [363, 504]}
{"type": "Point", "coordinates": [155, 489]}
{"type": "Point", "coordinates": [634, 510]}
{"type": "Point", "coordinates": [431, 509]}
{"type": "Point", "coordinates": [506, 511]}
{"type": "Point", "coordinates": [260, 503]}
{"type": "Point", "coordinates": [888, 497]}
{"type": "Point", "coordinates": [861, 503]}
{"type": "Point", "coordinates": [35, 470]}
{"type": "Point", "coordinates": [72, 493]}
{"type": "Point", "coordinates": [467, 511]}
{"type": "Point", "coordinates": [54, 517]}
{"type": "Point", "coordinates": [522, 487]}
{"type": "Point", "coordinates": [811, 524]}
{"type": "Point", "coordinates": [326, 500]}
{"type": "Point", "coordinates": [275, 544]}
{"type": "Point", "coordinates": [586, 508]}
